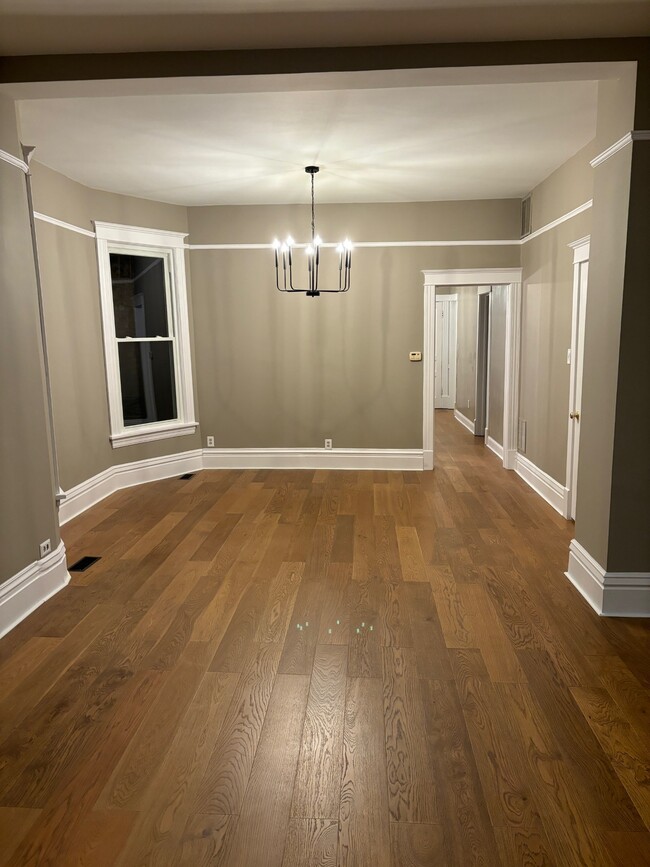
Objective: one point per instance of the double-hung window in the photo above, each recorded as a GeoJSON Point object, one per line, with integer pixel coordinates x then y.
{"type": "Point", "coordinates": [146, 333]}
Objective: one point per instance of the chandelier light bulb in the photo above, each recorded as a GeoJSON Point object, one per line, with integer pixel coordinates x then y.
{"type": "Point", "coordinates": [284, 265]}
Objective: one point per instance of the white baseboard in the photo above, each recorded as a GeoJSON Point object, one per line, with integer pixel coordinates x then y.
{"type": "Point", "coordinates": [546, 486]}
{"type": "Point", "coordinates": [313, 459]}
{"type": "Point", "coordinates": [464, 421]}
{"type": "Point", "coordinates": [494, 446]}
{"type": "Point", "coordinates": [92, 491]}
{"type": "Point", "coordinates": [88, 493]}
{"type": "Point", "coordinates": [613, 594]}
{"type": "Point", "coordinates": [29, 588]}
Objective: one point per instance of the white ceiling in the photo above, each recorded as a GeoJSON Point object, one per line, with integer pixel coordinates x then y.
{"type": "Point", "coordinates": [374, 144]}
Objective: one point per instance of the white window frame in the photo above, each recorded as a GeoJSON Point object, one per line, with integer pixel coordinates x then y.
{"type": "Point", "coordinates": [112, 237]}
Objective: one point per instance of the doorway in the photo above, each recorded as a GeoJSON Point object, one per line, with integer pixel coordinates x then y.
{"type": "Point", "coordinates": [445, 352]}
{"type": "Point", "coordinates": [576, 357]}
{"type": "Point", "coordinates": [482, 360]}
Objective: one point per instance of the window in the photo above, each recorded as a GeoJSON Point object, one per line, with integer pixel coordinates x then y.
{"type": "Point", "coordinates": [146, 333]}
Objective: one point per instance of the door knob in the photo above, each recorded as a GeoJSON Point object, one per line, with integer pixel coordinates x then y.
{"type": "Point", "coordinates": [575, 415]}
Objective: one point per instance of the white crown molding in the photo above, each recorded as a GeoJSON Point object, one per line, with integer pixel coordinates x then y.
{"type": "Point", "coordinates": [624, 141]}
{"type": "Point", "coordinates": [29, 588]}
{"type": "Point", "coordinates": [494, 446]}
{"type": "Point", "coordinates": [546, 486]}
{"type": "Point", "coordinates": [63, 225]}
{"type": "Point", "coordinates": [313, 459]}
{"type": "Point", "coordinates": [6, 157]}
{"type": "Point", "coordinates": [93, 490]}
{"type": "Point", "coordinates": [464, 421]}
{"type": "Point", "coordinates": [612, 594]}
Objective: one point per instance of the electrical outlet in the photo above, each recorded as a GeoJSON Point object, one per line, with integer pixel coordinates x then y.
{"type": "Point", "coordinates": [45, 548]}
{"type": "Point", "coordinates": [210, 442]}
{"type": "Point", "coordinates": [328, 444]}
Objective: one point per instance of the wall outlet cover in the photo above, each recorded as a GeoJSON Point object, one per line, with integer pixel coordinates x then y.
{"type": "Point", "coordinates": [210, 441]}
{"type": "Point", "coordinates": [45, 548]}
{"type": "Point", "coordinates": [328, 444]}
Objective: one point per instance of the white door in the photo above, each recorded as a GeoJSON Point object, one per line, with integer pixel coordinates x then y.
{"type": "Point", "coordinates": [445, 360]}
{"type": "Point", "coordinates": [576, 357]}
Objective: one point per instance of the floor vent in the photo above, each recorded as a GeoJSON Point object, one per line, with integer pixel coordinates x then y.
{"type": "Point", "coordinates": [187, 476]}
{"type": "Point", "coordinates": [83, 564]}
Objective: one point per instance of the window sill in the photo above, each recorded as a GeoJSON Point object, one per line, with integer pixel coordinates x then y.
{"type": "Point", "coordinates": [148, 434]}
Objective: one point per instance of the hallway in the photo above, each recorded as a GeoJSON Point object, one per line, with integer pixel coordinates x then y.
{"type": "Point", "coordinates": [334, 668]}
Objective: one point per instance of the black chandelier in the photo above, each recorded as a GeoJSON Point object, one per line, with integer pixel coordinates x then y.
{"type": "Point", "coordinates": [284, 257]}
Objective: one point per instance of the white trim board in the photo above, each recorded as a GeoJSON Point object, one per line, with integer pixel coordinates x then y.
{"type": "Point", "coordinates": [612, 594]}
{"type": "Point", "coordinates": [546, 486]}
{"type": "Point", "coordinates": [494, 446]}
{"type": "Point", "coordinates": [466, 423]}
{"type": "Point", "coordinates": [116, 478]}
{"type": "Point", "coordinates": [16, 162]}
{"type": "Point", "coordinates": [624, 141]}
{"type": "Point", "coordinates": [313, 459]}
{"type": "Point", "coordinates": [63, 225]}
{"type": "Point", "coordinates": [93, 490]}
{"type": "Point", "coordinates": [178, 238]}
{"type": "Point", "coordinates": [31, 587]}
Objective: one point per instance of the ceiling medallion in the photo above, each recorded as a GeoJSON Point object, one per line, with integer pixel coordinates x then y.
{"type": "Point", "coordinates": [284, 257]}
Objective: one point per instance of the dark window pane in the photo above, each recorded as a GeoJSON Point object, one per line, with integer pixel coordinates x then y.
{"type": "Point", "coordinates": [147, 379]}
{"type": "Point", "coordinates": [139, 299]}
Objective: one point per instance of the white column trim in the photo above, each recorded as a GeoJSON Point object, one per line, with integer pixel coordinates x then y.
{"type": "Point", "coordinates": [6, 157]}
{"type": "Point", "coordinates": [580, 249]}
{"type": "Point", "coordinates": [511, 374]}
{"type": "Point", "coordinates": [624, 141]}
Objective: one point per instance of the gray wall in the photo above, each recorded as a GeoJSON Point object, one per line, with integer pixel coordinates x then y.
{"type": "Point", "coordinates": [547, 299]}
{"type": "Point", "coordinates": [27, 510]}
{"type": "Point", "coordinates": [467, 324]}
{"type": "Point", "coordinates": [607, 281]}
{"type": "Point", "coordinates": [69, 272]}
{"type": "Point", "coordinates": [496, 373]}
{"type": "Point", "coordinates": [286, 370]}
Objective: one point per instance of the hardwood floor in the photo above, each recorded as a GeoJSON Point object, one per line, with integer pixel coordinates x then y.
{"type": "Point", "coordinates": [338, 669]}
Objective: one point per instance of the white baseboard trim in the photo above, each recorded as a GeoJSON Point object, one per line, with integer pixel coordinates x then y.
{"type": "Point", "coordinates": [29, 588]}
{"type": "Point", "coordinates": [612, 594]}
{"type": "Point", "coordinates": [510, 459]}
{"type": "Point", "coordinates": [93, 490]}
{"type": "Point", "coordinates": [494, 446]}
{"type": "Point", "coordinates": [313, 459]}
{"type": "Point", "coordinates": [464, 421]}
{"type": "Point", "coordinates": [546, 486]}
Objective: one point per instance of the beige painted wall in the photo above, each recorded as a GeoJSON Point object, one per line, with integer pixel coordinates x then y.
{"type": "Point", "coordinates": [286, 370]}
{"type": "Point", "coordinates": [547, 299]}
{"type": "Point", "coordinates": [607, 278]}
{"type": "Point", "coordinates": [72, 307]}
{"type": "Point", "coordinates": [467, 324]}
{"type": "Point", "coordinates": [496, 373]}
{"type": "Point", "coordinates": [27, 509]}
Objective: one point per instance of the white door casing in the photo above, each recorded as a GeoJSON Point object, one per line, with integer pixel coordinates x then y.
{"type": "Point", "coordinates": [511, 277]}
{"type": "Point", "coordinates": [445, 353]}
{"type": "Point", "coordinates": [576, 357]}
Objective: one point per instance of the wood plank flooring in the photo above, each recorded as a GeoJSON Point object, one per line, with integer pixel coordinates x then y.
{"type": "Point", "coordinates": [337, 669]}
